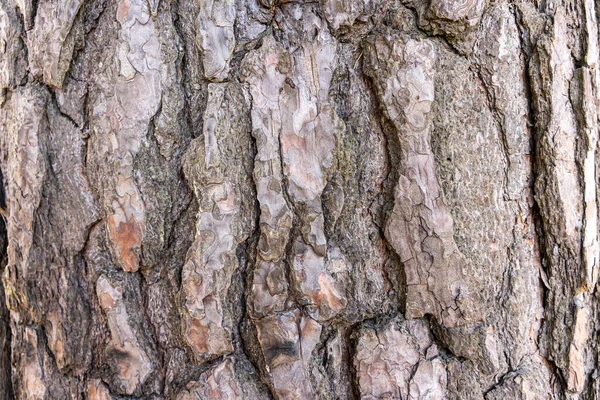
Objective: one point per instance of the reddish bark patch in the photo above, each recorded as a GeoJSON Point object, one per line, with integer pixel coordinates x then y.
{"type": "Point", "coordinates": [107, 302]}
{"type": "Point", "coordinates": [122, 10]}
{"type": "Point", "coordinates": [128, 238]}
{"type": "Point", "coordinates": [198, 336]}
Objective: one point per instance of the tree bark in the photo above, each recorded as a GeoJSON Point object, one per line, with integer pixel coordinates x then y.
{"type": "Point", "coordinates": [263, 199]}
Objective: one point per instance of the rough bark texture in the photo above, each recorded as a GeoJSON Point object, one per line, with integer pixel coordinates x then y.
{"type": "Point", "coordinates": [334, 199]}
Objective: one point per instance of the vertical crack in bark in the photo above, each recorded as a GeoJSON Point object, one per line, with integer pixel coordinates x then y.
{"type": "Point", "coordinates": [5, 334]}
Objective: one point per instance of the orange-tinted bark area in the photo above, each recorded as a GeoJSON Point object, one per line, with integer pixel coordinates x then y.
{"type": "Point", "coordinates": [127, 237]}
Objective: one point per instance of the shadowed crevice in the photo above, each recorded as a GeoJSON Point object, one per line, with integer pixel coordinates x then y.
{"type": "Point", "coordinates": [5, 334]}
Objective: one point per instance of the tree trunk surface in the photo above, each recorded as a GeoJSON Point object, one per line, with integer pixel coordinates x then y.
{"type": "Point", "coordinates": [334, 199]}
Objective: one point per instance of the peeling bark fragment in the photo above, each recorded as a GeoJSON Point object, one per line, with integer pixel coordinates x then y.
{"type": "Point", "coordinates": [584, 92]}
{"type": "Point", "coordinates": [126, 105]}
{"type": "Point", "coordinates": [215, 36]}
{"type": "Point", "coordinates": [316, 285]}
{"type": "Point", "coordinates": [265, 71]}
{"type": "Point", "coordinates": [399, 361]}
{"type": "Point", "coordinates": [26, 170]}
{"type": "Point", "coordinates": [559, 192]}
{"type": "Point", "coordinates": [122, 125]}
{"type": "Point", "coordinates": [52, 40]}
{"type": "Point", "coordinates": [577, 368]}
{"type": "Point", "coordinates": [557, 183]}
{"type": "Point", "coordinates": [227, 379]}
{"type": "Point", "coordinates": [420, 227]}
{"type": "Point", "coordinates": [587, 112]}
{"type": "Point", "coordinates": [287, 341]}
{"type": "Point", "coordinates": [309, 122]}
{"type": "Point", "coordinates": [309, 127]}
{"type": "Point", "coordinates": [294, 126]}
{"type": "Point", "coordinates": [130, 361]}
{"type": "Point", "coordinates": [218, 171]}
{"type": "Point", "coordinates": [429, 381]}
{"type": "Point", "coordinates": [219, 383]}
